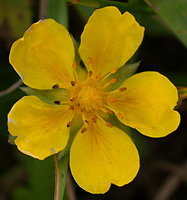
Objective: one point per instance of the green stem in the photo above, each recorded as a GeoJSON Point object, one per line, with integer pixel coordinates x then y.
{"type": "Point", "coordinates": [11, 88]}
{"type": "Point", "coordinates": [69, 188]}
{"type": "Point", "coordinates": [43, 9]}
{"type": "Point", "coordinates": [61, 168]}
{"type": "Point", "coordinates": [124, 6]}
{"type": "Point", "coordinates": [58, 10]}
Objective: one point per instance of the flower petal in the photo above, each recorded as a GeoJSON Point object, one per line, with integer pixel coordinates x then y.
{"type": "Point", "coordinates": [44, 56]}
{"type": "Point", "coordinates": [41, 128]}
{"type": "Point", "coordinates": [101, 156]}
{"type": "Point", "coordinates": [147, 104]}
{"type": "Point", "coordinates": [109, 39]}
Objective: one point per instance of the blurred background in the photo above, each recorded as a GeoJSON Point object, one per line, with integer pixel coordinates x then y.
{"type": "Point", "coordinates": [163, 173]}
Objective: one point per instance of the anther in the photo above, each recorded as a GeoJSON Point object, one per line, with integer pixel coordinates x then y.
{"type": "Point", "coordinates": [94, 119]}
{"type": "Point", "coordinates": [110, 112]}
{"type": "Point", "coordinates": [71, 107]}
{"type": "Point", "coordinates": [82, 109]}
{"type": "Point", "coordinates": [72, 99]}
{"type": "Point", "coordinates": [98, 76]}
{"type": "Point", "coordinates": [57, 102]}
{"type": "Point", "coordinates": [114, 70]}
{"type": "Point", "coordinates": [55, 86]}
{"type": "Point", "coordinates": [114, 80]}
{"type": "Point", "coordinates": [83, 130]}
{"type": "Point", "coordinates": [90, 73]}
{"type": "Point", "coordinates": [120, 116]}
{"type": "Point", "coordinates": [69, 124]}
{"type": "Point", "coordinates": [112, 100]}
{"type": "Point", "coordinates": [108, 124]}
{"type": "Point", "coordinates": [122, 89]}
{"type": "Point", "coordinates": [73, 83]}
{"type": "Point", "coordinates": [86, 121]}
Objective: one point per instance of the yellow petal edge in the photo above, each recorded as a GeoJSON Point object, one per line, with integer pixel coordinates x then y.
{"type": "Point", "coordinates": [109, 40]}
{"type": "Point", "coordinates": [44, 56]}
{"type": "Point", "coordinates": [41, 128]}
{"type": "Point", "coordinates": [147, 104]}
{"type": "Point", "coordinates": [102, 156]}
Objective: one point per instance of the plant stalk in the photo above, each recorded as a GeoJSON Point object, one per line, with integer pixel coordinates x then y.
{"type": "Point", "coordinates": [61, 168]}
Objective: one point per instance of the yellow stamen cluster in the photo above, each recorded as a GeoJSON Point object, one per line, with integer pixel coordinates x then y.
{"type": "Point", "coordinates": [87, 96]}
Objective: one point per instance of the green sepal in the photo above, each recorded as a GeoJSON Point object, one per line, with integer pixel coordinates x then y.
{"type": "Point", "coordinates": [122, 74]}
{"type": "Point", "coordinates": [48, 96]}
{"type": "Point", "coordinates": [11, 139]}
{"type": "Point", "coordinates": [173, 13]}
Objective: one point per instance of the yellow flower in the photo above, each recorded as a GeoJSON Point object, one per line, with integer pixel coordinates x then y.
{"type": "Point", "coordinates": [100, 154]}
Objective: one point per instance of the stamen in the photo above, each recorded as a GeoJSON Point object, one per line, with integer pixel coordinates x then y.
{"type": "Point", "coordinates": [108, 124]}
{"type": "Point", "coordinates": [98, 76]}
{"type": "Point", "coordinates": [84, 130]}
{"type": "Point", "coordinates": [120, 116]}
{"type": "Point", "coordinates": [57, 102]}
{"type": "Point", "coordinates": [86, 121]}
{"type": "Point", "coordinates": [122, 89]}
{"type": "Point", "coordinates": [94, 119]}
{"type": "Point", "coordinates": [55, 86]}
{"type": "Point", "coordinates": [112, 100]}
{"type": "Point", "coordinates": [73, 83]}
{"type": "Point", "coordinates": [114, 70]}
{"type": "Point", "coordinates": [72, 107]}
{"type": "Point", "coordinates": [107, 75]}
{"type": "Point", "coordinates": [110, 112]}
{"type": "Point", "coordinates": [72, 99]}
{"type": "Point", "coordinates": [103, 109]}
{"type": "Point", "coordinates": [69, 124]}
{"type": "Point", "coordinates": [90, 73]}
{"type": "Point", "coordinates": [114, 80]}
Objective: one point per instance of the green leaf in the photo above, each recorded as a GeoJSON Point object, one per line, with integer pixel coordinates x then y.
{"type": "Point", "coordinates": [18, 15]}
{"type": "Point", "coordinates": [123, 6]}
{"type": "Point", "coordinates": [57, 9]}
{"type": "Point", "coordinates": [2, 12]}
{"type": "Point", "coordinates": [122, 74]}
{"type": "Point", "coordinates": [173, 13]}
{"type": "Point", "coordinates": [49, 96]}
{"type": "Point", "coordinates": [39, 179]}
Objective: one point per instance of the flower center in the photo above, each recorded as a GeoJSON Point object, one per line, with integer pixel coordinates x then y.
{"type": "Point", "coordinates": [87, 96]}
